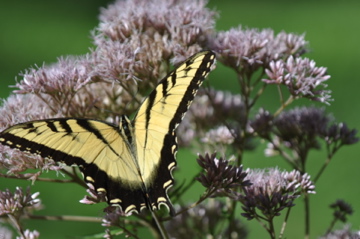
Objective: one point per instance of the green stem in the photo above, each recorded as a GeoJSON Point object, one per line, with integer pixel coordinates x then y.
{"type": "Point", "coordinates": [66, 218]}
{"type": "Point", "coordinates": [259, 219]}
{"type": "Point", "coordinates": [159, 225]}
{"type": "Point", "coordinates": [74, 176]}
{"type": "Point", "coordinates": [257, 95]}
{"type": "Point", "coordinates": [286, 156]}
{"type": "Point", "coordinates": [271, 229]}
{"type": "Point", "coordinates": [284, 105]}
{"type": "Point", "coordinates": [232, 219]}
{"type": "Point", "coordinates": [332, 224]}
{"type": "Point", "coordinates": [326, 163]}
{"type": "Point", "coordinates": [20, 176]}
{"type": "Point", "coordinates": [284, 223]}
{"type": "Point", "coordinates": [14, 221]}
{"type": "Point", "coordinates": [307, 216]}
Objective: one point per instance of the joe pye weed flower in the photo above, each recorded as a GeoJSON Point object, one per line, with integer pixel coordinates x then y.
{"type": "Point", "coordinates": [138, 42]}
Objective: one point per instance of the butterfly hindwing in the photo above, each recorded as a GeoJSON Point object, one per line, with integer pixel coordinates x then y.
{"type": "Point", "coordinates": [131, 163]}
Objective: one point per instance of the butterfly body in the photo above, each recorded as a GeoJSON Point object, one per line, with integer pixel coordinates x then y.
{"type": "Point", "coordinates": [131, 163]}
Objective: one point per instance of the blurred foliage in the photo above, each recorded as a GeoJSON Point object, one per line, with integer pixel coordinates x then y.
{"type": "Point", "coordinates": [37, 31]}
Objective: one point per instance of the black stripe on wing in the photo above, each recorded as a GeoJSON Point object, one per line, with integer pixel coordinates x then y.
{"type": "Point", "coordinates": [26, 145]}
{"type": "Point", "coordinates": [193, 87]}
{"type": "Point", "coordinates": [157, 193]}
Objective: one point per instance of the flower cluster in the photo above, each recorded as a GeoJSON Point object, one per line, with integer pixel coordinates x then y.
{"type": "Point", "coordinates": [220, 135]}
{"type": "Point", "coordinates": [262, 124]}
{"type": "Point", "coordinates": [342, 209]}
{"type": "Point", "coordinates": [301, 77]}
{"type": "Point", "coordinates": [152, 32]}
{"type": "Point", "coordinates": [301, 126]}
{"type": "Point", "coordinates": [253, 48]}
{"type": "Point", "coordinates": [113, 217]}
{"type": "Point", "coordinates": [17, 109]}
{"type": "Point", "coordinates": [68, 74]}
{"type": "Point", "coordinates": [184, 22]}
{"type": "Point", "coordinates": [341, 134]}
{"type": "Point", "coordinates": [271, 191]}
{"type": "Point", "coordinates": [219, 176]}
{"type": "Point", "coordinates": [16, 162]}
{"type": "Point", "coordinates": [30, 235]}
{"type": "Point", "coordinates": [17, 203]}
{"type": "Point", "coordinates": [345, 232]}
{"type": "Point", "coordinates": [300, 130]}
{"type": "Point", "coordinates": [206, 220]}
{"type": "Point", "coordinates": [5, 233]}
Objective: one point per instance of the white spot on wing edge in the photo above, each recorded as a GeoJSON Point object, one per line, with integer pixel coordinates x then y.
{"type": "Point", "coordinates": [90, 179]}
{"type": "Point", "coordinates": [130, 209]}
{"type": "Point", "coordinates": [167, 184]}
{"type": "Point", "coordinates": [115, 200]}
{"type": "Point", "coordinates": [171, 166]}
{"type": "Point", "coordinates": [161, 200]}
{"type": "Point", "coordinates": [173, 149]}
{"type": "Point", "coordinates": [100, 190]}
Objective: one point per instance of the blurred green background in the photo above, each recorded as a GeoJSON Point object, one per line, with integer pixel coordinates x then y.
{"type": "Point", "coordinates": [36, 32]}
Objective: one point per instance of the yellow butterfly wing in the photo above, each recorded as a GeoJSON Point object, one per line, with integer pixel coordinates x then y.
{"type": "Point", "coordinates": [156, 121]}
{"type": "Point", "coordinates": [100, 150]}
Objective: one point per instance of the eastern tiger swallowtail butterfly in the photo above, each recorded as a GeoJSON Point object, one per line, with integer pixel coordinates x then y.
{"type": "Point", "coordinates": [131, 163]}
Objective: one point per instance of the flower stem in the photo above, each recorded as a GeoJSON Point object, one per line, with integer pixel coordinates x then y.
{"type": "Point", "coordinates": [284, 105]}
{"type": "Point", "coordinates": [284, 223]}
{"type": "Point", "coordinates": [307, 216]}
{"type": "Point", "coordinates": [66, 218]}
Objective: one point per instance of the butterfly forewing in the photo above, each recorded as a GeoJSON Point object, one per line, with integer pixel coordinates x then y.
{"type": "Point", "coordinates": [159, 116]}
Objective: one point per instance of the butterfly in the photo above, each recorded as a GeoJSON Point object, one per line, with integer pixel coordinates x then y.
{"type": "Point", "coordinates": [131, 163]}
